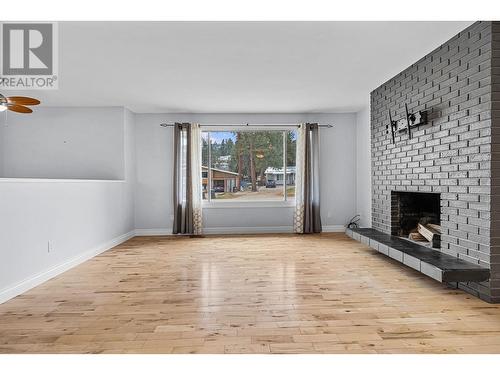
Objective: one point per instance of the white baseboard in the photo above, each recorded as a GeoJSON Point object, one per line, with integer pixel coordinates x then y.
{"type": "Point", "coordinates": [256, 230]}
{"type": "Point", "coordinates": [237, 230]}
{"type": "Point", "coordinates": [153, 232]}
{"type": "Point", "coordinates": [333, 228]}
{"type": "Point", "coordinates": [42, 277]}
{"type": "Point", "coordinates": [248, 230]}
{"type": "Point", "coordinates": [219, 230]}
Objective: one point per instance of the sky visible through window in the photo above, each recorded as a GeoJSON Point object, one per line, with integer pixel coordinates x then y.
{"type": "Point", "coordinates": [217, 137]}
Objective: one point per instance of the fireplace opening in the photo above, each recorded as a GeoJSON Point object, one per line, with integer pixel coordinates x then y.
{"type": "Point", "coordinates": [416, 217]}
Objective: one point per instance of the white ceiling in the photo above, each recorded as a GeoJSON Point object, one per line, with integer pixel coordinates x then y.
{"type": "Point", "coordinates": [247, 67]}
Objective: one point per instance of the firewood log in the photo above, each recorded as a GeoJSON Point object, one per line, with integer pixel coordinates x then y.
{"type": "Point", "coordinates": [435, 227]}
{"type": "Point", "coordinates": [432, 235]}
{"type": "Point", "coordinates": [415, 236]}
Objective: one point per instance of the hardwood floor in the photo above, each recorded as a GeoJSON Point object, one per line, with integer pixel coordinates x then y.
{"type": "Point", "coordinates": [246, 294]}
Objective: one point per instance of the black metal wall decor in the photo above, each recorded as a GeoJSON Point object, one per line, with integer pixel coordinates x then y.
{"type": "Point", "coordinates": [412, 120]}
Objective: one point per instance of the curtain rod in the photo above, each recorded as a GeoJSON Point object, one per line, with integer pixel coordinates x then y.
{"type": "Point", "coordinates": [253, 125]}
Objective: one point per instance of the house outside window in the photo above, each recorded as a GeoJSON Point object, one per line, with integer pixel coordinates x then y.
{"type": "Point", "coordinates": [276, 174]}
{"type": "Point", "coordinates": [248, 165]}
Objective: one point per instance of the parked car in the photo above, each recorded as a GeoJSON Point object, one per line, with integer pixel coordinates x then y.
{"type": "Point", "coordinates": [219, 189]}
{"type": "Point", "coordinates": [245, 185]}
{"type": "Point", "coordinates": [271, 184]}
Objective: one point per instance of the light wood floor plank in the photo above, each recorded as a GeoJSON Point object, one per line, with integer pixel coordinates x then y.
{"type": "Point", "coordinates": [246, 294]}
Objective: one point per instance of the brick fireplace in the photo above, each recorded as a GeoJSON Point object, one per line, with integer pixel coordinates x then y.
{"type": "Point", "coordinates": [455, 158]}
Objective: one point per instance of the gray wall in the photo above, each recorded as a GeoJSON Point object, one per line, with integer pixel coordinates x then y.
{"type": "Point", "coordinates": [2, 137]}
{"type": "Point", "coordinates": [129, 171]}
{"type": "Point", "coordinates": [452, 154]}
{"type": "Point", "coordinates": [154, 175]}
{"type": "Point", "coordinates": [64, 142]}
{"type": "Point", "coordinates": [363, 167]}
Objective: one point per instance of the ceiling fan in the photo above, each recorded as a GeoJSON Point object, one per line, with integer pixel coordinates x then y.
{"type": "Point", "coordinates": [17, 103]}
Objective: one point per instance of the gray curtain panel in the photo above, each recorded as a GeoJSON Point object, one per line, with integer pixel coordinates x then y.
{"type": "Point", "coordinates": [312, 218]}
{"type": "Point", "coordinates": [183, 207]}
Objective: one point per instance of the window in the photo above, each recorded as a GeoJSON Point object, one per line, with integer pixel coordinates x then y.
{"type": "Point", "coordinates": [243, 165]}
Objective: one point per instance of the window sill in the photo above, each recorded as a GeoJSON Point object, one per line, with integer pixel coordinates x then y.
{"type": "Point", "coordinates": [249, 204]}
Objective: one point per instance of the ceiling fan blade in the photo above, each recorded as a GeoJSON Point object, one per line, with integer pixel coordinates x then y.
{"type": "Point", "coordinates": [19, 108]}
{"type": "Point", "coordinates": [22, 100]}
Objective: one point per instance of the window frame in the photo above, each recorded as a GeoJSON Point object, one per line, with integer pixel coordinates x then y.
{"type": "Point", "coordinates": [221, 203]}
